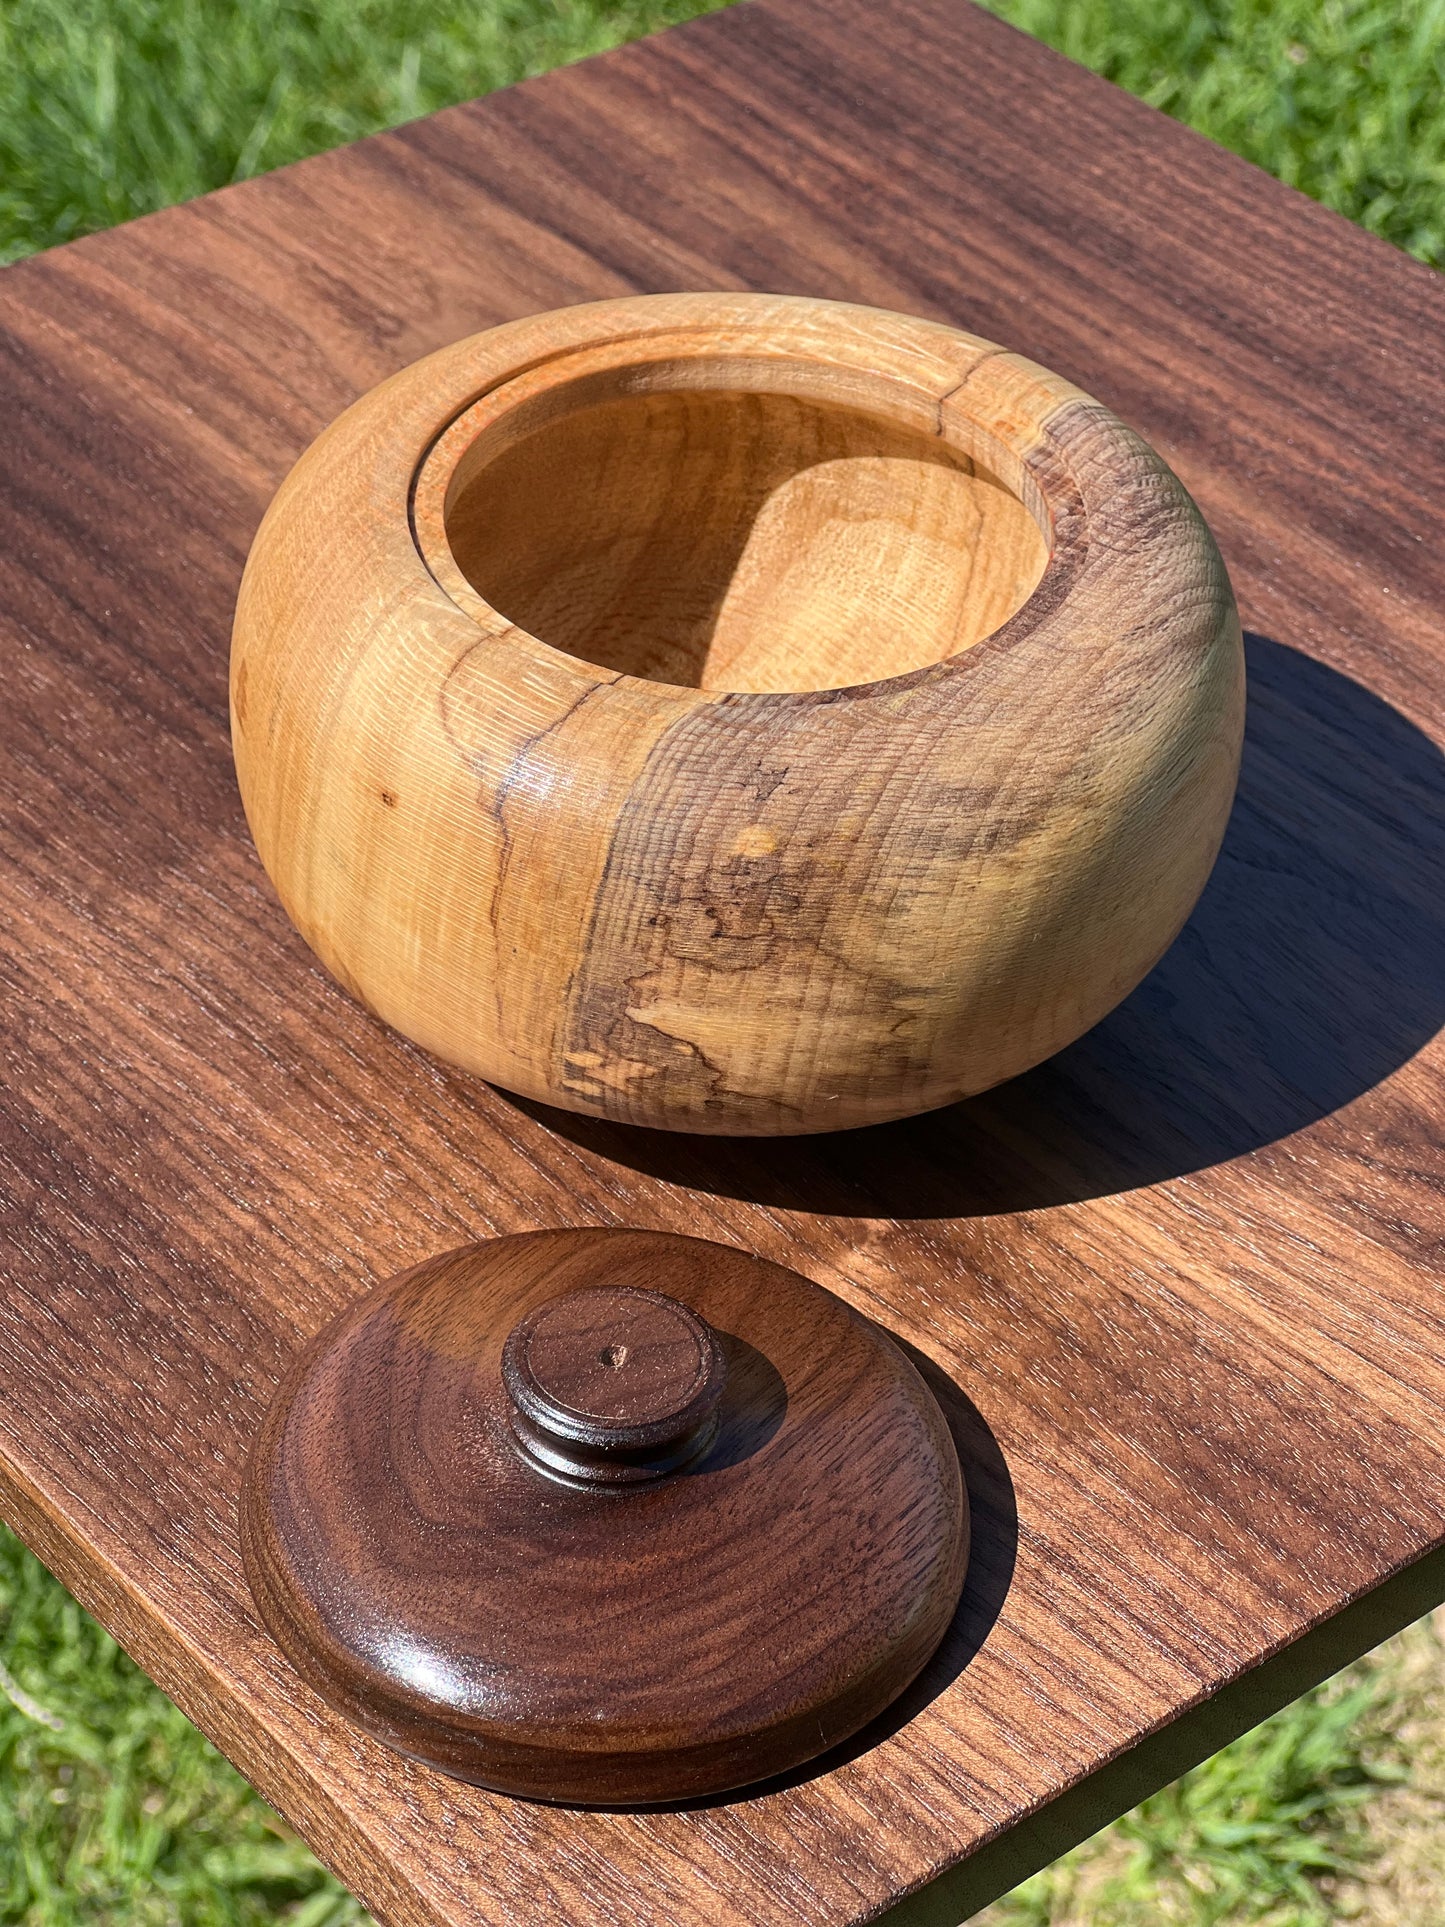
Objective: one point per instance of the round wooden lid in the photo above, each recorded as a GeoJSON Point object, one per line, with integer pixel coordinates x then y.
{"type": "Point", "coordinates": [605, 1517]}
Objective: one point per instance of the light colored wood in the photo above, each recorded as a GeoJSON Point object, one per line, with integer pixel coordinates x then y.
{"type": "Point", "coordinates": [734, 713]}
{"type": "Point", "coordinates": [743, 540]}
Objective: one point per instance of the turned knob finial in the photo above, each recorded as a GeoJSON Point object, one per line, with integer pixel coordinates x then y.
{"type": "Point", "coordinates": [613, 1385]}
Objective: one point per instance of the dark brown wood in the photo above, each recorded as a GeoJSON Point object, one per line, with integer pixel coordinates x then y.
{"type": "Point", "coordinates": [614, 1384]}
{"type": "Point", "coordinates": [1171, 1750]}
{"type": "Point", "coordinates": [1188, 1275]}
{"type": "Point", "coordinates": [757, 1600]}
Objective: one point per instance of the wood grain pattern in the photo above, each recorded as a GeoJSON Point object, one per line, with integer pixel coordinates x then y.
{"type": "Point", "coordinates": [693, 883]}
{"type": "Point", "coordinates": [786, 1552]}
{"type": "Point", "coordinates": [1187, 1274]}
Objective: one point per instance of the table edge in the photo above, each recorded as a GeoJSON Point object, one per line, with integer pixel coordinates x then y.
{"type": "Point", "coordinates": [1029, 1845]}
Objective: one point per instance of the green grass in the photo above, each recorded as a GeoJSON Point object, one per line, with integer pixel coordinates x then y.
{"type": "Point", "coordinates": [109, 108]}
{"type": "Point", "coordinates": [1342, 98]}
{"type": "Point", "coordinates": [113, 1811]}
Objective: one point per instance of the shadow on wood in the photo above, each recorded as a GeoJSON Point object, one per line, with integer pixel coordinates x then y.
{"type": "Point", "coordinates": [1313, 967]}
{"type": "Point", "coordinates": [993, 1552]}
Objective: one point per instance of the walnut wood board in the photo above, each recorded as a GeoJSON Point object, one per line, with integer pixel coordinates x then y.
{"type": "Point", "coordinates": [1186, 1276]}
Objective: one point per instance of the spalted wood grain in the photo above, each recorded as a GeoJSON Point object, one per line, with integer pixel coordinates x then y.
{"type": "Point", "coordinates": [606, 1517]}
{"type": "Point", "coordinates": [717, 891]}
{"type": "Point", "coordinates": [1186, 1277]}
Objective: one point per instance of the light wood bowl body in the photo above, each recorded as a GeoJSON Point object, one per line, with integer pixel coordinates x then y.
{"type": "Point", "coordinates": [735, 713]}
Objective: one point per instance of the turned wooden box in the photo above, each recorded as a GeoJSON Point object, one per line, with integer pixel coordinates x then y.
{"type": "Point", "coordinates": [736, 714]}
{"type": "Point", "coordinates": [1185, 1277]}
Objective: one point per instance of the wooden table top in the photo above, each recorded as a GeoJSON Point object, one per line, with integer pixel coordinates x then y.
{"type": "Point", "coordinates": [1187, 1275]}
